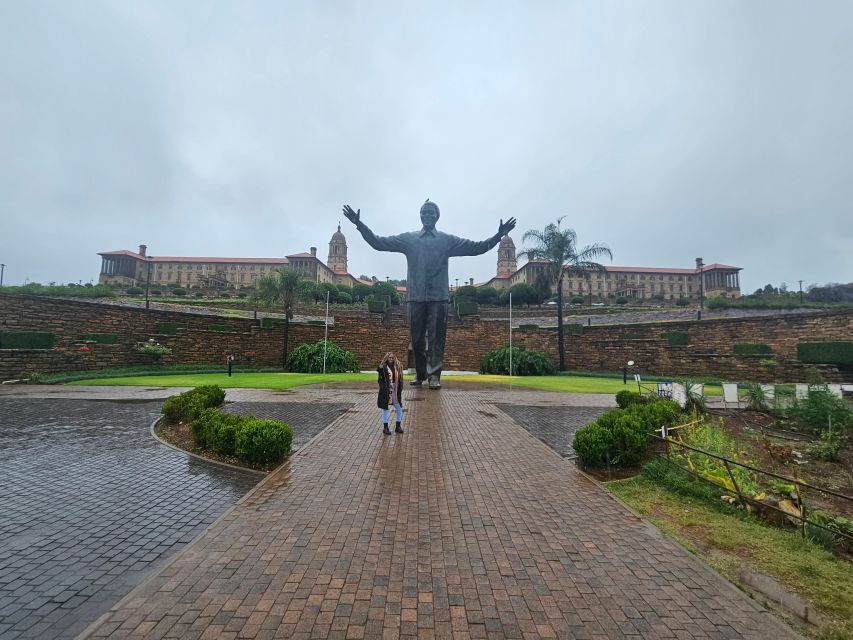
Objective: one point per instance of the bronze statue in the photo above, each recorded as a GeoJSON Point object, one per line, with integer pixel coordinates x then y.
{"type": "Point", "coordinates": [427, 251]}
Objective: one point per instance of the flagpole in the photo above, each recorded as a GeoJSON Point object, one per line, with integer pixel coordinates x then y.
{"type": "Point", "coordinates": [510, 334]}
{"type": "Point", "coordinates": [326, 333]}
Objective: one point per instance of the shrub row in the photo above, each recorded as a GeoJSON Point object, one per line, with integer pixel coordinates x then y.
{"type": "Point", "coordinates": [191, 403]}
{"type": "Point", "coordinates": [222, 328]}
{"type": "Point", "coordinates": [675, 338]}
{"type": "Point", "coordinates": [525, 362]}
{"type": "Point", "coordinates": [621, 436]}
{"type": "Point", "coordinates": [627, 398]}
{"type": "Point", "coordinates": [253, 440]}
{"type": "Point", "coordinates": [170, 328]}
{"type": "Point", "coordinates": [826, 352]}
{"type": "Point", "coordinates": [751, 348]}
{"type": "Point", "coordinates": [27, 340]}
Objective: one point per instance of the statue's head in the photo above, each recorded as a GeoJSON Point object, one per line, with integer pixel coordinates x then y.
{"type": "Point", "coordinates": [429, 214]}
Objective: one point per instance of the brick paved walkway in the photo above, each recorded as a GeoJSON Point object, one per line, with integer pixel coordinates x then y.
{"type": "Point", "coordinates": [464, 527]}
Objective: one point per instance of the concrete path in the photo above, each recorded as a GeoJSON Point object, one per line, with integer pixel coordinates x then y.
{"type": "Point", "coordinates": [466, 526]}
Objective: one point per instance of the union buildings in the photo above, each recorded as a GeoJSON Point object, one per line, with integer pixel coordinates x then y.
{"type": "Point", "coordinates": [126, 269]}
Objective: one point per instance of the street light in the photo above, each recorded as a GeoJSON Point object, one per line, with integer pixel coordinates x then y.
{"type": "Point", "coordinates": [699, 266]}
{"type": "Point", "coordinates": [800, 281]}
{"type": "Point", "coordinates": [147, 281]}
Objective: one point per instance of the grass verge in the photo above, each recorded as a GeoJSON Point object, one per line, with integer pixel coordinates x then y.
{"type": "Point", "coordinates": [568, 383]}
{"type": "Point", "coordinates": [236, 381]}
{"type": "Point", "coordinates": [731, 541]}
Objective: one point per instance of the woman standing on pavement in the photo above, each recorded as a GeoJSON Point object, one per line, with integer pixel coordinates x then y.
{"type": "Point", "coordinates": [390, 390]}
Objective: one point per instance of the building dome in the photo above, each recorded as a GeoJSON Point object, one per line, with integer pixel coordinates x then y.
{"type": "Point", "coordinates": [506, 241]}
{"type": "Point", "coordinates": [338, 251]}
{"type": "Point", "coordinates": [507, 264]}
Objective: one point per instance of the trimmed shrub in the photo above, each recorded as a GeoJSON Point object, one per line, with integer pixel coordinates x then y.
{"type": "Point", "coordinates": [718, 303]}
{"type": "Point", "coordinates": [179, 291]}
{"type": "Point", "coordinates": [467, 308]}
{"type": "Point", "coordinates": [751, 349]}
{"type": "Point", "coordinates": [621, 301]}
{"type": "Point", "coordinates": [222, 328]}
{"type": "Point", "coordinates": [528, 327]}
{"type": "Point", "coordinates": [525, 362]}
{"type": "Point", "coordinates": [344, 297]}
{"type": "Point", "coordinates": [577, 300]}
{"type": "Point", "coordinates": [222, 437]}
{"type": "Point", "coordinates": [189, 404]}
{"type": "Point", "coordinates": [135, 291]}
{"type": "Point", "coordinates": [627, 398]}
{"type": "Point", "coordinates": [27, 340]}
{"type": "Point", "coordinates": [308, 358]}
{"type": "Point", "coordinates": [263, 441]}
{"type": "Point", "coordinates": [376, 306]}
{"type": "Point", "coordinates": [840, 353]}
{"type": "Point", "coordinates": [100, 338]}
{"type": "Point", "coordinates": [621, 436]}
{"type": "Point", "coordinates": [170, 328]}
{"type": "Point", "coordinates": [675, 338]}
{"type": "Point", "coordinates": [267, 323]}
{"type": "Point", "coordinates": [682, 302]}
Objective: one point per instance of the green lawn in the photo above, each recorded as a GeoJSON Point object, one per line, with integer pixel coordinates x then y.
{"type": "Point", "coordinates": [562, 384]}
{"type": "Point", "coordinates": [238, 380]}
{"type": "Point", "coordinates": [732, 542]}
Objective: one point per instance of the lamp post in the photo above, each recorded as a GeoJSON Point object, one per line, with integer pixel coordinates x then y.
{"type": "Point", "coordinates": [147, 281]}
{"type": "Point", "coordinates": [800, 281]}
{"type": "Point", "coordinates": [699, 266]}
{"type": "Point", "coordinates": [3, 268]}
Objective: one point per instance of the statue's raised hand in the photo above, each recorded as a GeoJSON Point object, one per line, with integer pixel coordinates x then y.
{"type": "Point", "coordinates": [352, 216]}
{"type": "Point", "coordinates": [505, 227]}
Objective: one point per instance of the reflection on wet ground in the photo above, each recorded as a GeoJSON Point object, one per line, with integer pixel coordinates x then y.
{"type": "Point", "coordinates": [91, 503]}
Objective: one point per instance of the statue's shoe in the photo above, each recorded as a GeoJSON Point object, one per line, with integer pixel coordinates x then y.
{"type": "Point", "coordinates": [434, 383]}
{"type": "Point", "coordinates": [416, 383]}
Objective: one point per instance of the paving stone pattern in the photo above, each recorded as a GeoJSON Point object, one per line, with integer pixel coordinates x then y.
{"type": "Point", "coordinates": [306, 419]}
{"type": "Point", "coordinates": [90, 504]}
{"type": "Point", "coordinates": [555, 426]}
{"type": "Point", "coordinates": [463, 527]}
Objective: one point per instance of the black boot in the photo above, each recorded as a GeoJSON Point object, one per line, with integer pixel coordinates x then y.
{"type": "Point", "coordinates": [386, 430]}
{"type": "Point", "coordinates": [398, 428]}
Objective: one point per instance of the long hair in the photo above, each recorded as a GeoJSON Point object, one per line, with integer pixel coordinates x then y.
{"type": "Point", "coordinates": [393, 362]}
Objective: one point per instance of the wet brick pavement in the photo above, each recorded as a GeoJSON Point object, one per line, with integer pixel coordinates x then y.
{"type": "Point", "coordinates": [91, 503]}
{"type": "Point", "coordinates": [555, 426]}
{"type": "Point", "coordinates": [463, 527]}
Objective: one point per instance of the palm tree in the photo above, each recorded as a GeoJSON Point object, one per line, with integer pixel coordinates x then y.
{"type": "Point", "coordinates": [558, 249]}
{"type": "Point", "coordinates": [283, 287]}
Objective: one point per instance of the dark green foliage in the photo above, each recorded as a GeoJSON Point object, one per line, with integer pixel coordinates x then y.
{"type": "Point", "coordinates": [577, 300]}
{"type": "Point", "coordinates": [135, 291]}
{"type": "Point", "coordinates": [266, 323]}
{"type": "Point", "coordinates": [816, 410]}
{"type": "Point", "coordinates": [344, 297]}
{"type": "Point", "coordinates": [27, 340]}
{"type": "Point", "coordinates": [718, 303]}
{"type": "Point", "coordinates": [675, 338]}
{"type": "Point", "coordinates": [621, 436]}
{"type": "Point", "coordinates": [627, 398]}
{"type": "Point", "coordinates": [528, 327]}
{"type": "Point", "coordinates": [178, 291]}
{"type": "Point", "coordinates": [170, 328]}
{"type": "Point", "coordinates": [263, 441]}
{"type": "Point", "coordinates": [100, 338]}
{"type": "Point", "coordinates": [361, 291]}
{"type": "Point", "coordinates": [573, 328]}
{"type": "Point", "coordinates": [840, 353]}
{"type": "Point", "coordinates": [72, 290]}
{"type": "Point", "coordinates": [308, 358]}
{"type": "Point", "coordinates": [386, 289]}
{"type": "Point", "coordinates": [189, 404]}
{"type": "Point", "coordinates": [376, 306]}
{"type": "Point", "coordinates": [631, 336]}
{"type": "Point", "coordinates": [682, 302]}
{"type": "Point", "coordinates": [222, 328]}
{"type": "Point", "coordinates": [751, 349]}
{"type": "Point", "coordinates": [621, 300]}
{"type": "Point", "coordinates": [682, 483]}
{"type": "Point", "coordinates": [525, 362]}
{"type": "Point", "coordinates": [467, 308]}
{"type": "Point", "coordinates": [487, 295]}
{"type": "Point", "coordinates": [467, 291]}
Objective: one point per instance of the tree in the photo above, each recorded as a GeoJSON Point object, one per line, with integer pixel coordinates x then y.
{"type": "Point", "coordinates": [386, 289]}
{"type": "Point", "coordinates": [361, 291]}
{"type": "Point", "coordinates": [284, 287]}
{"type": "Point", "coordinates": [487, 295]}
{"type": "Point", "coordinates": [543, 288]}
{"type": "Point", "coordinates": [558, 248]}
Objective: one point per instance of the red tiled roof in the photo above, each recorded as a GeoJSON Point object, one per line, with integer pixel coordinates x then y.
{"type": "Point", "coordinates": [195, 259]}
{"type": "Point", "coordinates": [304, 254]}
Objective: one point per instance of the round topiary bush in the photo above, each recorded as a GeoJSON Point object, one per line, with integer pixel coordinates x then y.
{"type": "Point", "coordinates": [308, 358]}
{"type": "Point", "coordinates": [525, 362]}
{"type": "Point", "coordinates": [263, 441]}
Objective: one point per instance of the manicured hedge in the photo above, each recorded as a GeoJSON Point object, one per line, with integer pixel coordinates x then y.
{"type": "Point", "coordinates": [528, 327]}
{"type": "Point", "coordinates": [190, 403]}
{"type": "Point", "coordinates": [467, 308]}
{"type": "Point", "coordinates": [525, 362]}
{"type": "Point", "coordinates": [675, 338]}
{"type": "Point", "coordinates": [222, 328]}
{"type": "Point", "coordinates": [170, 328]}
{"type": "Point", "coordinates": [308, 358]}
{"type": "Point", "coordinates": [621, 436]}
{"type": "Point", "coordinates": [627, 398]}
{"type": "Point", "coordinates": [27, 340]}
{"type": "Point", "coordinates": [100, 338]}
{"type": "Point", "coordinates": [376, 306]}
{"type": "Point", "coordinates": [253, 440]}
{"type": "Point", "coordinates": [267, 323]}
{"type": "Point", "coordinates": [826, 352]}
{"type": "Point", "coordinates": [751, 349]}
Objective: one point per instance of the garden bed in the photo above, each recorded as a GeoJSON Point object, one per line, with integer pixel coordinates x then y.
{"type": "Point", "coordinates": [180, 436]}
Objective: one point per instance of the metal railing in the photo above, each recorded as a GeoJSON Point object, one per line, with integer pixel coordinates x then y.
{"type": "Point", "coordinates": [743, 498]}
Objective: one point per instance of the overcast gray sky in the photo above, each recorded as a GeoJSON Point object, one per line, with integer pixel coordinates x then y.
{"type": "Point", "coordinates": [667, 130]}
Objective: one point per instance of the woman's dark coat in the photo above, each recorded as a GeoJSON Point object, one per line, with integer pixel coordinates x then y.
{"type": "Point", "coordinates": [384, 392]}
